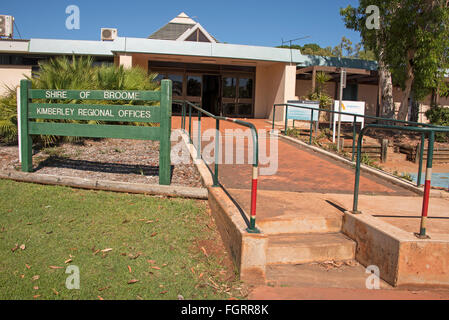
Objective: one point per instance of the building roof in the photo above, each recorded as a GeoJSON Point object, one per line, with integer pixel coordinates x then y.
{"type": "Point", "coordinates": [154, 46]}
{"type": "Point", "coordinates": [181, 28]}
{"type": "Point", "coordinates": [312, 60]}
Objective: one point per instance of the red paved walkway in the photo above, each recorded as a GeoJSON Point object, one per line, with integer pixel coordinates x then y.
{"type": "Point", "coordinates": [299, 170]}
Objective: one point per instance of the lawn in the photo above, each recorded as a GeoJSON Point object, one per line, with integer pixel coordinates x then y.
{"type": "Point", "coordinates": [125, 246]}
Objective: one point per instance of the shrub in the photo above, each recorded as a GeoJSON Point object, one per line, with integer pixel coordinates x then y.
{"type": "Point", "coordinates": [439, 116]}
{"type": "Point", "coordinates": [8, 117]}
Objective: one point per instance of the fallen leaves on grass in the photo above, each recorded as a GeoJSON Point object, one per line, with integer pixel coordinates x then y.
{"type": "Point", "coordinates": [151, 261]}
{"type": "Point", "coordinates": [101, 289]}
{"type": "Point", "coordinates": [163, 292]}
{"type": "Point", "coordinates": [204, 251]}
{"type": "Point", "coordinates": [55, 267]}
{"type": "Point", "coordinates": [131, 256]}
{"type": "Point", "coordinates": [106, 250]}
{"type": "Point", "coordinates": [15, 247]}
{"type": "Point", "coordinates": [22, 247]}
{"type": "Point", "coordinates": [153, 234]}
{"type": "Point", "coordinates": [100, 298]}
{"type": "Point", "coordinates": [27, 266]}
{"type": "Point", "coordinates": [157, 268]}
{"type": "Point", "coordinates": [36, 296]}
{"type": "Point", "coordinates": [133, 281]}
{"type": "Point", "coordinates": [129, 268]}
{"type": "Point", "coordinates": [54, 291]}
{"type": "Point", "coordinates": [36, 277]}
{"type": "Point", "coordinates": [68, 261]}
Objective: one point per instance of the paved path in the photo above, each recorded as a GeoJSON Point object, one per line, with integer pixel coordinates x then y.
{"type": "Point", "coordinates": [298, 169]}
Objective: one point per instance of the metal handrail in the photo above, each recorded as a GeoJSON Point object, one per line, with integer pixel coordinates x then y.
{"type": "Point", "coordinates": [354, 131]}
{"type": "Point", "coordinates": [431, 139]}
{"type": "Point", "coordinates": [255, 173]}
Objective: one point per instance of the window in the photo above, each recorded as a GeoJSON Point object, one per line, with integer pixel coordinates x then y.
{"type": "Point", "coordinates": [229, 86]}
{"type": "Point", "coordinates": [245, 88]}
{"type": "Point", "coordinates": [194, 86]}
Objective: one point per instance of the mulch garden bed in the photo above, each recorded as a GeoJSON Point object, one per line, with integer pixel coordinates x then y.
{"type": "Point", "coordinates": [134, 161]}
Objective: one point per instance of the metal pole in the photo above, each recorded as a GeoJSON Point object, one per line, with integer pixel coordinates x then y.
{"type": "Point", "coordinates": [286, 119]}
{"type": "Point", "coordinates": [190, 124]}
{"type": "Point", "coordinates": [198, 151]}
{"type": "Point", "coordinates": [339, 108]}
{"type": "Point", "coordinates": [357, 175]}
{"type": "Point", "coordinates": [421, 156]}
{"type": "Point", "coordinates": [354, 133]}
{"type": "Point", "coordinates": [217, 152]}
{"type": "Point", "coordinates": [252, 224]}
{"type": "Point", "coordinates": [274, 117]}
{"type": "Point", "coordinates": [183, 119]}
{"type": "Point", "coordinates": [427, 185]}
{"type": "Point", "coordinates": [311, 127]}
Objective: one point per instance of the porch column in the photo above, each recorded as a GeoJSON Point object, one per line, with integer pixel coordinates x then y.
{"type": "Point", "coordinates": [125, 60]}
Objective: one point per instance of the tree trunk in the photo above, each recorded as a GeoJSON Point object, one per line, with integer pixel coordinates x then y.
{"type": "Point", "coordinates": [385, 82]}
{"type": "Point", "coordinates": [403, 110]}
{"type": "Point", "coordinates": [386, 87]}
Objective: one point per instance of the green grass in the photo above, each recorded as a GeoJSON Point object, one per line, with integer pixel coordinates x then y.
{"type": "Point", "coordinates": [58, 223]}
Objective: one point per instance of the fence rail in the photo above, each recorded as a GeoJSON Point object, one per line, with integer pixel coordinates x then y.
{"type": "Point", "coordinates": [430, 132]}
{"type": "Point", "coordinates": [354, 127]}
{"type": "Point", "coordinates": [255, 172]}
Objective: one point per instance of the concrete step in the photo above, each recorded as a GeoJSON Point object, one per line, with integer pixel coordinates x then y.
{"type": "Point", "coordinates": [304, 248]}
{"type": "Point", "coordinates": [311, 223]}
{"type": "Point", "coordinates": [333, 274]}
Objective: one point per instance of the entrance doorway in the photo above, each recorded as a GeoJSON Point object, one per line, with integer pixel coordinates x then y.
{"type": "Point", "coordinates": [210, 99]}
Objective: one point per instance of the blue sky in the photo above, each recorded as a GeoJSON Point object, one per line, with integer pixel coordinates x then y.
{"type": "Point", "coordinates": [249, 22]}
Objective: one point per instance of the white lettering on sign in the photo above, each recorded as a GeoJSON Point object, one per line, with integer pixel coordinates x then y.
{"type": "Point", "coordinates": [55, 111]}
{"type": "Point", "coordinates": [134, 113]}
{"type": "Point", "coordinates": [95, 112]}
{"type": "Point", "coordinates": [54, 94]}
{"type": "Point", "coordinates": [92, 112]}
{"type": "Point", "coordinates": [124, 95]}
{"type": "Point", "coordinates": [84, 94]}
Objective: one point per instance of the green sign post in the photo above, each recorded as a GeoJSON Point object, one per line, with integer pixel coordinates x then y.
{"type": "Point", "coordinates": [30, 111]}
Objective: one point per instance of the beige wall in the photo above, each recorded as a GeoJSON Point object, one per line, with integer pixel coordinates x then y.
{"type": "Point", "coordinates": [368, 93]}
{"type": "Point", "coordinates": [125, 60]}
{"type": "Point", "coordinates": [140, 61]}
{"type": "Point", "coordinates": [10, 76]}
{"type": "Point", "coordinates": [275, 83]}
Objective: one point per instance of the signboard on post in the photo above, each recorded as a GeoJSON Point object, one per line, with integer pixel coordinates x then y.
{"type": "Point", "coordinates": [302, 113]}
{"type": "Point", "coordinates": [30, 111]}
{"type": "Point", "coordinates": [354, 107]}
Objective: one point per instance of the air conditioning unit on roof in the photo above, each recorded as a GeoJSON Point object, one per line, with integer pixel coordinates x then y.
{"type": "Point", "coordinates": [108, 34]}
{"type": "Point", "coordinates": [6, 26]}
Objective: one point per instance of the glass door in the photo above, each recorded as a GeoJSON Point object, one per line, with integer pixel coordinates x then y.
{"type": "Point", "coordinates": [237, 96]}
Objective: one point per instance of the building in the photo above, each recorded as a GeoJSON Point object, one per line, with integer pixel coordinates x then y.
{"type": "Point", "coordinates": [226, 79]}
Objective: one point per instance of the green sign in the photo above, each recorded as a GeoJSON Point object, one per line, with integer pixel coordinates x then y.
{"type": "Point", "coordinates": [161, 114]}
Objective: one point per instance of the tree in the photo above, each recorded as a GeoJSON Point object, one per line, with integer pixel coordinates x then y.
{"type": "Point", "coordinates": [412, 41]}
{"type": "Point", "coordinates": [375, 41]}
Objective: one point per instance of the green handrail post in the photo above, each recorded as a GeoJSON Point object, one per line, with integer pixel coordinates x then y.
{"type": "Point", "coordinates": [354, 133]}
{"type": "Point", "coordinates": [311, 128]}
{"type": "Point", "coordinates": [199, 137]}
{"type": "Point", "coordinates": [190, 124]}
{"type": "Point", "coordinates": [357, 175]}
{"type": "Point", "coordinates": [421, 156]}
{"type": "Point", "coordinates": [217, 152]}
{"type": "Point", "coordinates": [183, 119]}
{"type": "Point", "coordinates": [427, 186]}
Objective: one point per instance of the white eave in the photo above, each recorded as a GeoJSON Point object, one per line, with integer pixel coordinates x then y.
{"type": "Point", "coordinates": [168, 47]}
